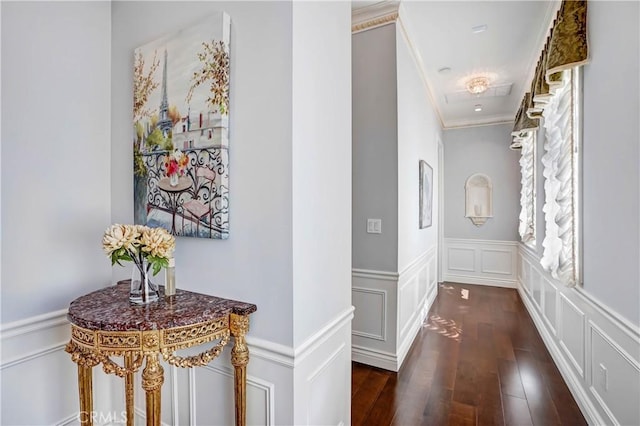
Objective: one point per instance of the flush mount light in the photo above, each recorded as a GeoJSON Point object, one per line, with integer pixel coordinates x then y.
{"type": "Point", "coordinates": [477, 85]}
{"type": "Point", "coordinates": [479, 28]}
{"type": "Point", "coordinates": [478, 108]}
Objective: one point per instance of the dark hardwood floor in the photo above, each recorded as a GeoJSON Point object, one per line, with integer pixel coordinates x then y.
{"type": "Point", "coordinates": [478, 360]}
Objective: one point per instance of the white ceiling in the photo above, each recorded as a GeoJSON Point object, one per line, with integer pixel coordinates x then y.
{"type": "Point", "coordinates": [507, 52]}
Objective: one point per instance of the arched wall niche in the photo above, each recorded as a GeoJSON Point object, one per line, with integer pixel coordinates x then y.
{"type": "Point", "coordinates": [478, 198]}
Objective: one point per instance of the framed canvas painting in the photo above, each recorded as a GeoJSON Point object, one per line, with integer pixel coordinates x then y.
{"type": "Point", "coordinates": [181, 130]}
{"type": "Point", "coordinates": [426, 195]}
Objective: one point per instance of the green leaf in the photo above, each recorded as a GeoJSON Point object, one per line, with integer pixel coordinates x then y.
{"type": "Point", "coordinates": [156, 268]}
{"type": "Point", "coordinates": [158, 263]}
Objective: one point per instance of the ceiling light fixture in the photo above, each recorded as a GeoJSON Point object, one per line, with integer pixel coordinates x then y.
{"type": "Point", "coordinates": [478, 108]}
{"type": "Point", "coordinates": [479, 28]}
{"type": "Point", "coordinates": [477, 85]}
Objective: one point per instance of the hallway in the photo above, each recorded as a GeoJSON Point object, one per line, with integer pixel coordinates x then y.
{"type": "Point", "coordinates": [477, 360]}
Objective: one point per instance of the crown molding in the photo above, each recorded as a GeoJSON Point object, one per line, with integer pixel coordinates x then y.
{"type": "Point", "coordinates": [464, 124]}
{"type": "Point", "coordinates": [374, 16]}
{"type": "Point", "coordinates": [405, 29]}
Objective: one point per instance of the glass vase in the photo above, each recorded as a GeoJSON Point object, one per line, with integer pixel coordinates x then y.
{"type": "Point", "coordinates": [143, 291]}
{"type": "Point", "coordinates": [174, 179]}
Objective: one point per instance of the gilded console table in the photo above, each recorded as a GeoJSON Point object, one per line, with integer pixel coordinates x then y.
{"type": "Point", "coordinates": [104, 324]}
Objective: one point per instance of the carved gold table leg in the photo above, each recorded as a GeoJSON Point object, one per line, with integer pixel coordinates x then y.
{"type": "Point", "coordinates": [128, 388]}
{"type": "Point", "coordinates": [85, 388]}
{"type": "Point", "coordinates": [152, 380]}
{"type": "Point", "coordinates": [239, 326]}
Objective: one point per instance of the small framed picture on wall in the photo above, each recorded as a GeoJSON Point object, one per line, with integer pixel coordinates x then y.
{"type": "Point", "coordinates": [426, 195]}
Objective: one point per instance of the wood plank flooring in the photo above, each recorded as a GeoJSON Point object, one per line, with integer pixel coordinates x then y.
{"type": "Point", "coordinates": [478, 360]}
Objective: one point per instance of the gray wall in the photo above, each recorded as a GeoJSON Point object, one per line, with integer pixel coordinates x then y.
{"type": "Point", "coordinates": [611, 158]}
{"type": "Point", "coordinates": [255, 263]}
{"type": "Point", "coordinates": [284, 206]}
{"type": "Point", "coordinates": [418, 134]}
{"type": "Point", "coordinates": [375, 148]}
{"type": "Point", "coordinates": [55, 154]}
{"type": "Point", "coordinates": [485, 150]}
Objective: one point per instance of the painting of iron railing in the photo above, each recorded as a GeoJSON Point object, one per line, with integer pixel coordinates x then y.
{"type": "Point", "coordinates": [201, 210]}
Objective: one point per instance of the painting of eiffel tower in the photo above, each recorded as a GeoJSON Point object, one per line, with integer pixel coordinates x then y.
{"type": "Point", "coordinates": [181, 130]}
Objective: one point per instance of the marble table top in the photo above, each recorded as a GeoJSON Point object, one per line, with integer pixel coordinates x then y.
{"type": "Point", "coordinates": [109, 309]}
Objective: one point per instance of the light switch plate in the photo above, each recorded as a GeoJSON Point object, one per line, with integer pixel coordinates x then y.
{"type": "Point", "coordinates": [374, 226]}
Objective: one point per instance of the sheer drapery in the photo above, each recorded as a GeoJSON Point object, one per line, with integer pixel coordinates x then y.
{"type": "Point", "coordinates": [554, 99]}
{"type": "Point", "coordinates": [559, 173]}
{"type": "Point", "coordinates": [527, 192]}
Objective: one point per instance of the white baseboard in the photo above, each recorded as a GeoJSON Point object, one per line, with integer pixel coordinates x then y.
{"type": "Point", "coordinates": [375, 358]}
{"type": "Point", "coordinates": [390, 308]}
{"type": "Point", "coordinates": [470, 279]}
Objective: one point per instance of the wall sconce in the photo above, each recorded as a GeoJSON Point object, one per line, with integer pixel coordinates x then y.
{"type": "Point", "coordinates": [478, 198]}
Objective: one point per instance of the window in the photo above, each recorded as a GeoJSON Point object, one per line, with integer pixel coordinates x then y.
{"type": "Point", "coordinates": [527, 227]}
{"type": "Point", "coordinates": [561, 160]}
{"type": "Point", "coordinates": [555, 97]}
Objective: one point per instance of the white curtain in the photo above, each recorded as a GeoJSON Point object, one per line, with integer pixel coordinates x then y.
{"type": "Point", "coordinates": [527, 188]}
{"type": "Point", "coordinates": [559, 172]}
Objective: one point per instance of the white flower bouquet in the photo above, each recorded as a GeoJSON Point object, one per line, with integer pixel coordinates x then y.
{"type": "Point", "coordinates": [148, 248]}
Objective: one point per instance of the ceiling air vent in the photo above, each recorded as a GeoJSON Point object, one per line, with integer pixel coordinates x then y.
{"type": "Point", "coordinates": [495, 91]}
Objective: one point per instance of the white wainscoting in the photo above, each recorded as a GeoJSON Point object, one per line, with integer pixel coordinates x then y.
{"type": "Point", "coordinates": [322, 375]}
{"type": "Point", "coordinates": [318, 370]}
{"type": "Point", "coordinates": [389, 310]}
{"type": "Point", "coordinates": [483, 262]}
{"type": "Point", "coordinates": [33, 353]}
{"type": "Point", "coordinates": [597, 352]}
{"type": "Point", "coordinates": [35, 370]}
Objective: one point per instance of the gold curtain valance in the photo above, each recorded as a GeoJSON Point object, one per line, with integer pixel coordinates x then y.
{"type": "Point", "coordinates": [539, 86]}
{"type": "Point", "coordinates": [566, 47]}
{"type": "Point", "coordinates": [523, 123]}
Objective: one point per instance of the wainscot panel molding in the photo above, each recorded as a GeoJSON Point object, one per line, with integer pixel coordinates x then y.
{"type": "Point", "coordinates": [204, 395]}
{"type": "Point", "coordinates": [273, 373]}
{"type": "Point", "coordinates": [482, 262]}
{"type": "Point", "coordinates": [34, 348]}
{"type": "Point", "coordinates": [370, 323]}
{"type": "Point", "coordinates": [71, 420]}
{"type": "Point", "coordinates": [33, 352]}
{"type": "Point", "coordinates": [211, 396]}
{"type": "Point", "coordinates": [596, 350]}
{"type": "Point", "coordinates": [389, 310]}
{"type": "Point", "coordinates": [323, 373]}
